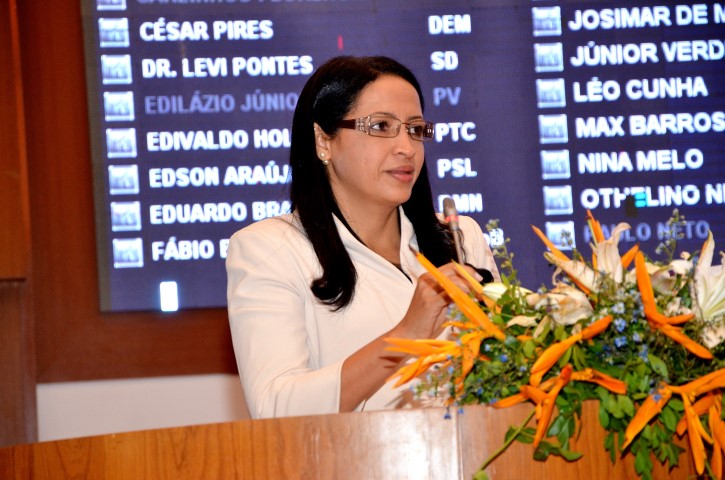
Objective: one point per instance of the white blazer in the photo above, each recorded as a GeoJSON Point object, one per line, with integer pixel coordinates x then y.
{"type": "Point", "coordinates": [289, 347]}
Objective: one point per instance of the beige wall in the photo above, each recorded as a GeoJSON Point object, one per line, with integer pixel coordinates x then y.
{"type": "Point", "coordinates": [80, 409]}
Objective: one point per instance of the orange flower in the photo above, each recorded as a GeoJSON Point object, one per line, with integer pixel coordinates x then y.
{"type": "Point", "coordinates": [595, 227]}
{"type": "Point", "coordinates": [557, 253]}
{"type": "Point", "coordinates": [510, 401]}
{"type": "Point", "coordinates": [522, 396]}
{"type": "Point", "coordinates": [606, 381]}
{"type": "Point", "coordinates": [418, 346]}
{"type": "Point", "coordinates": [649, 408]}
{"type": "Point", "coordinates": [429, 352]}
{"type": "Point", "coordinates": [552, 354]}
{"type": "Point", "coordinates": [717, 427]}
{"type": "Point", "coordinates": [545, 402]}
{"type": "Point", "coordinates": [471, 346]}
{"type": "Point", "coordinates": [477, 288]}
{"type": "Point", "coordinates": [692, 346]}
{"type": "Point", "coordinates": [629, 256]}
{"type": "Point", "coordinates": [700, 407]}
{"type": "Point", "coordinates": [695, 432]}
{"type": "Point", "coordinates": [659, 321]}
{"type": "Point", "coordinates": [416, 368]}
{"type": "Point", "coordinates": [469, 307]}
{"type": "Point", "coordinates": [475, 285]}
{"type": "Point", "coordinates": [717, 445]}
{"type": "Point", "coordinates": [703, 384]}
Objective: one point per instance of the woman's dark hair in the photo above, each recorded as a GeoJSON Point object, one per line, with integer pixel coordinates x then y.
{"type": "Point", "coordinates": [327, 97]}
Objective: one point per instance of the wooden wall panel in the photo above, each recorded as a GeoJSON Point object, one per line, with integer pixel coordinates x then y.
{"type": "Point", "coordinates": [18, 418]}
{"type": "Point", "coordinates": [74, 340]}
{"type": "Point", "coordinates": [14, 233]}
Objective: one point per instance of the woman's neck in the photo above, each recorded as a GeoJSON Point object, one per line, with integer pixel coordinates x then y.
{"type": "Point", "coordinates": [379, 231]}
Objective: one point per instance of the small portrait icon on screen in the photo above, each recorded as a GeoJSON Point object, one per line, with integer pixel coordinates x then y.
{"type": "Point", "coordinates": [553, 129]}
{"type": "Point", "coordinates": [123, 179]}
{"type": "Point", "coordinates": [546, 21]}
{"type": "Point", "coordinates": [116, 69]}
{"type": "Point", "coordinates": [548, 57]}
{"type": "Point", "coordinates": [118, 106]}
{"type": "Point", "coordinates": [111, 5]}
{"type": "Point", "coordinates": [561, 234]}
{"type": "Point", "coordinates": [125, 216]}
{"type": "Point", "coordinates": [555, 165]}
{"type": "Point", "coordinates": [558, 200]}
{"type": "Point", "coordinates": [550, 93]}
{"type": "Point", "coordinates": [121, 142]}
{"type": "Point", "coordinates": [113, 32]}
{"type": "Point", "coordinates": [127, 253]}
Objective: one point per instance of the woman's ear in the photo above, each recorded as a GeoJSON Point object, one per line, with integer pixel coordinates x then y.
{"type": "Point", "coordinates": [322, 142]}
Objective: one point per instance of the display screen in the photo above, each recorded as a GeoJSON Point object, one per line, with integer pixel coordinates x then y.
{"type": "Point", "coordinates": [543, 109]}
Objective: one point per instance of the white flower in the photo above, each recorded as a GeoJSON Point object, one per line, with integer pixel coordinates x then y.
{"type": "Point", "coordinates": [564, 304]}
{"type": "Point", "coordinates": [709, 294]}
{"type": "Point", "coordinates": [675, 307]}
{"type": "Point", "coordinates": [577, 271]}
{"type": "Point", "coordinates": [609, 262]}
{"type": "Point", "coordinates": [523, 321]}
{"type": "Point", "coordinates": [664, 277]}
{"type": "Point", "coordinates": [495, 290]}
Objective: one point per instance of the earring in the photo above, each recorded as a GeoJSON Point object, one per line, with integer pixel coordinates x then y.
{"type": "Point", "coordinates": [322, 157]}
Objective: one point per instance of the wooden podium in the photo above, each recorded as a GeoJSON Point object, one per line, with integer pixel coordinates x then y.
{"type": "Point", "coordinates": [403, 444]}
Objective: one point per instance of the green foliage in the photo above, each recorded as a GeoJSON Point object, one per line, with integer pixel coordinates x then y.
{"type": "Point", "coordinates": [629, 350]}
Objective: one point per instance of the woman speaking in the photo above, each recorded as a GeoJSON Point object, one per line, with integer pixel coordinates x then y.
{"type": "Point", "coordinates": [313, 294]}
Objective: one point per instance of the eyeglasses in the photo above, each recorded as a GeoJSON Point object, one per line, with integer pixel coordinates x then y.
{"type": "Point", "coordinates": [381, 125]}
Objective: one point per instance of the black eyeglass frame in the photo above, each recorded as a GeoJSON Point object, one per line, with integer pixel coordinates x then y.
{"type": "Point", "coordinates": [362, 124]}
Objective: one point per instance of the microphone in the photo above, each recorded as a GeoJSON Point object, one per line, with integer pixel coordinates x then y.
{"type": "Point", "coordinates": [451, 214]}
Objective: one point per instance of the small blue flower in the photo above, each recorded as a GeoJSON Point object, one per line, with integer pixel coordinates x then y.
{"type": "Point", "coordinates": [447, 416]}
{"type": "Point", "coordinates": [450, 369]}
{"type": "Point", "coordinates": [620, 324]}
{"type": "Point", "coordinates": [636, 337]}
{"type": "Point", "coordinates": [487, 348]}
{"type": "Point", "coordinates": [504, 358]}
{"type": "Point", "coordinates": [618, 308]}
{"type": "Point", "coordinates": [522, 368]}
{"type": "Point", "coordinates": [492, 401]}
{"type": "Point", "coordinates": [657, 397]}
{"type": "Point", "coordinates": [643, 351]}
{"type": "Point", "coordinates": [619, 342]}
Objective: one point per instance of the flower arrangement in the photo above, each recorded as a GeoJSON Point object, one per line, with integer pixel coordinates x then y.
{"type": "Point", "coordinates": [644, 338]}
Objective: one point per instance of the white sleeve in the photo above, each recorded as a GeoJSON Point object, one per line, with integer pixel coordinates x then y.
{"type": "Point", "coordinates": [267, 299]}
{"type": "Point", "coordinates": [476, 248]}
